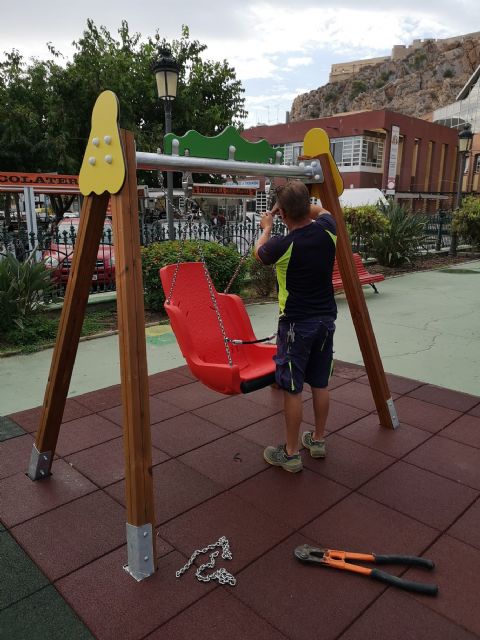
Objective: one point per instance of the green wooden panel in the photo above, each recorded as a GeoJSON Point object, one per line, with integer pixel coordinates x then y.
{"type": "Point", "coordinates": [218, 147]}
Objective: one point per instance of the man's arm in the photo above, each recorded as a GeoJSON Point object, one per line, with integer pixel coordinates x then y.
{"type": "Point", "coordinates": [317, 210]}
{"type": "Point", "coordinates": [266, 223]}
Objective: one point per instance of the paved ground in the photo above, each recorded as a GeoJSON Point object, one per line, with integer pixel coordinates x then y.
{"type": "Point", "coordinates": [427, 326]}
{"type": "Point", "coordinates": [415, 491]}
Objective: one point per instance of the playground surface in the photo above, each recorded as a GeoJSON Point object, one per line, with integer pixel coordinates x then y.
{"type": "Point", "coordinates": [412, 491]}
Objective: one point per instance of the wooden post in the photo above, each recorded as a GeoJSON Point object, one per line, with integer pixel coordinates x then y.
{"type": "Point", "coordinates": [133, 369]}
{"type": "Point", "coordinates": [71, 320]}
{"type": "Point", "coordinates": [356, 300]}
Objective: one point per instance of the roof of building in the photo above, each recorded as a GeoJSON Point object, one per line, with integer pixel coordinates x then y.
{"type": "Point", "coordinates": [471, 82]}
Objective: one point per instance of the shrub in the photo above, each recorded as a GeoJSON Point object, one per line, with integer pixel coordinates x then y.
{"type": "Point", "coordinates": [448, 73]}
{"type": "Point", "coordinates": [358, 87]}
{"type": "Point", "coordinates": [362, 223]}
{"type": "Point", "coordinates": [398, 243]}
{"type": "Point", "coordinates": [262, 277]}
{"type": "Point", "coordinates": [221, 262]}
{"type": "Point", "coordinates": [23, 286]}
{"type": "Point", "coordinates": [466, 220]}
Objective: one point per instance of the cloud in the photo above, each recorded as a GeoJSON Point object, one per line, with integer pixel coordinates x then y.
{"type": "Point", "coordinates": [303, 61]}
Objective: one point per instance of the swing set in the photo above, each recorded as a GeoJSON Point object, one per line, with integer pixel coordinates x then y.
{"type": "Point", "coordinates": [213, 330]}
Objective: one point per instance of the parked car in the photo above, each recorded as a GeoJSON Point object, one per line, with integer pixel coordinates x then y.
{"type": "Point", "coordinates": [58, 257]}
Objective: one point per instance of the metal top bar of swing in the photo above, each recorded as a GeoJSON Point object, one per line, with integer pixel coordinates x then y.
{"type": "Point", "coordinates": [309, 170]}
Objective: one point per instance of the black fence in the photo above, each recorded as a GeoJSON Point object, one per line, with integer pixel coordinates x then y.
{"type": "Point", "coordinates": [55, 247]}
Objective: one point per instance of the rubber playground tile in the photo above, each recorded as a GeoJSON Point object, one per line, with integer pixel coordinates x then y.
{"type": "Point", "coordinates": [15, 455]}
{"type": "Point", "coordinates": [269, 397]}
{"type": "Point", "coordinates": [82, 433]}
{"type": "Point", "coordinates": [361, 525]}
{"type": "Point", "coordinates": [427, 416]}
{"type": "Point", "coordinates": [114, 605]}
{"type": "Point", "coordinates": [102, 398]}
{"type": "Point", "coordinates": [348, 462]}
{"type": "Point", "coordinates": [426, 496]}
{"type": "Point", "coordinates": [348, 370]}
{"type": "Point", "coordinates": [66, 538]}
{"type": "Point", "coordinates": [19, 575]}
{"type": "Point", "coordinates": [184, 433]}
{"type": "Point", "coordinates": [217, 615]}
{"type": "Point", "coordinates": [9, 429]}
{"type": "Point", "coordinates": [450, 459]}
{"type": "Point", "coordinates": [394, 442]}
{"type": "Point", "coordinates": [475, 411]}
{"type": "Point", "coordinates": [270, 431]}
{"type": "Point", "coordinates": [339, 415]}
{"type": "Point", "coordinates": [42, 615]}
{"type": "Point", "coordinates": [466, 429]}
{"type": "Point", "coordinates": [234, 412]}
{"type": "Point", "coordinates": [30, 418]}
{"type": "Point", "coordinates": [104, 464]}
{"type": "Point", "coordinates": [227, 461]}
{"type": "Point", "coordinates": [396, 384]}
{"type": "Point", "coordinates": [448, 398]}
{"type": "Point", "coordinates": [397, 616]}
{"type": "Point", "coordinates": [166, 380]}
{"type": "Point", "coordinates": [159, 410]}
{"type": "Point", "coordinates": [336, 381]}
{"type": "Point", "coordinates": [457, 573]}
{"type": "Point", "coordinates": [185, 371]}
{"type": "Point", "coordinates": [303, 601]}
{"type": "Point", "coordinates": [176, 488]}
{"type": "Point", "coordinates": [467, 527]}
{"type": "Point", "coordinates": [294, 499]}
{"type": "Point", "coordinates": [22, 498]}
{"type": "Point", "coordinates": [190, 396]}
{"type": "Point", "coordinates": [249, 531]}
{"type": "Point", "coordinates": [356, 395]}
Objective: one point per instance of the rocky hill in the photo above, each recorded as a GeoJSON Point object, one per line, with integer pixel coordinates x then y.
{"type": "Point", "coordinates": [427, 79]}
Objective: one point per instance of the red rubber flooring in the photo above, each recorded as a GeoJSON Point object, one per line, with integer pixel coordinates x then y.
{"type": "Point", "coordinates": [411, 491]}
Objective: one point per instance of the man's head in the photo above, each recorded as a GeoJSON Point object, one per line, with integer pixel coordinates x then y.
{"type": "Point", "coordinates": [293, 199]}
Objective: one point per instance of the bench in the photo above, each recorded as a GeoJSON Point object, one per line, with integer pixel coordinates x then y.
{"type": "Point", "coordinates": [363, 275]}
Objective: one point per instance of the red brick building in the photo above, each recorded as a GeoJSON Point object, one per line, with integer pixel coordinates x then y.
{"type": "Point", "coordinates": [412, 159]}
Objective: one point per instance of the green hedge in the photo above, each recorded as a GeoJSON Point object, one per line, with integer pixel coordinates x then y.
{"type": "Point", "coordinates": [221, 262]}
{"type": "Point", "coordinates": [466, 220]}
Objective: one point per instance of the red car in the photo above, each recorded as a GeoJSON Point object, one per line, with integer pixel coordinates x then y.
{"type": "Point", "coordinates": [58, 258]}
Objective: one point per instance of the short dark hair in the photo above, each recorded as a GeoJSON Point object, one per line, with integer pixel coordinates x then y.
{"type": "Point", "coordinates": [294, 199]}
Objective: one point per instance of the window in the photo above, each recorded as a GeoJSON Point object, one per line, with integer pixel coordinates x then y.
{"type": "Point", "coordinates": [477, 163]}
{"type": "Point", "coordinates": [358, 151]}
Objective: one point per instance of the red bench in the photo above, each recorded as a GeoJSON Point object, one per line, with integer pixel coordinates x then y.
{"type": "Point", "coordinates": [363, 275]}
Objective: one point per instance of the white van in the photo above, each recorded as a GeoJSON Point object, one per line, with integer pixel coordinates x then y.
{"type": "Point", "coordinates": [360, 197]}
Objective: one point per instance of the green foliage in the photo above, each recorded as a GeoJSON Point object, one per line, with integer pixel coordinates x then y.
{"type": "Point", "coordinates": [330, 96]}
{"type": "Point", "coordinates": [362, 223]}
{"type": "Point", "coordinates": [448, 73]}
{"type": "Point", "coordinates": [418, 60]}
{"type": "Point", "coordinates": [382, 79]}
{"type": "Point", "coordinates": [262, 277]}
{"type": "Point", "coordinates": [358, 87]}
{"type": "Point", "coordinates": [45, 107]}
{"type": "Point", "coordinates": [23, 286]}
{"type": "Point", "coordinates": [466, 220]}
{"type": "Point", "coordinates": [398, 243]}
{"type": "Point", "coordinates": [221, 262]}
{"type": "Point", "coordinates": [37, 331]}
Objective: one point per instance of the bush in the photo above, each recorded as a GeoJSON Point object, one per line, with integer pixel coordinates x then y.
{"type": "Point", "coordinates": [466, 220]}
{"type": "Point", "coordinates": [362, 223]}
{"type": "Point", "coordinates": [262, 277]}
{"type": "Point", "coordinates": [221, 262]}
{"type": "Point", "coordinates": [358, 87]}
{"type": "Point", "coordinates": [398, 243]}
{"type": "Point", "coordinates": [23, 286]}
{"type": "Point", "coordinates": [448, 73]}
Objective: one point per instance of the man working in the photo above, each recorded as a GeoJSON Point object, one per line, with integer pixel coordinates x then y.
{"type": "Point", "coordinates": [304, 264]}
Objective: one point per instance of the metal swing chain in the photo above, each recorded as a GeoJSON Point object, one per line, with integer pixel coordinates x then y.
{"type": "Point", "coordinates": [222, 575]}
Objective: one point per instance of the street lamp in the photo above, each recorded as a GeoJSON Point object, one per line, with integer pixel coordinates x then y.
{"type": "Point", "coordinates": [166, 70]}
{"type": "Point", "coordinates": [465, 138]}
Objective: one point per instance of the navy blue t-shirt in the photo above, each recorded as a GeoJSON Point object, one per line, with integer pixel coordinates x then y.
{"type": "Point", "coordinates": [304, 261]}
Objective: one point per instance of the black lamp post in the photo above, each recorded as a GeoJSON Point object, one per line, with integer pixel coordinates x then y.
{"type": "Point", "coordinates": [166, 70]}
{"type": "Point", "coordinates": [465, 138]}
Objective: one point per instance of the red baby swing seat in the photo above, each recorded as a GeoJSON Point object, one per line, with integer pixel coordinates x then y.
{"type": "Point", "coordinates": [198, 330]}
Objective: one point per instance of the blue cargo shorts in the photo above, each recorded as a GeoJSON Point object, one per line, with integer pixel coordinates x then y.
{"type": "Point", "coordinates": [304, 353]}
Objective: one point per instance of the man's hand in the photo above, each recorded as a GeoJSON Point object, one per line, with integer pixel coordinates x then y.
{"type": "Point", "coordinates": [266, 221]}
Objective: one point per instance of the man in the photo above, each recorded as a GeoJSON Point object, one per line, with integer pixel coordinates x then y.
{"type": "Point", "coordinates": [304, 264]}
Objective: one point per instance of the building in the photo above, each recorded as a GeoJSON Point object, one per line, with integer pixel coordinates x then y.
{"type": "Point", "coordinates": [409, 158]}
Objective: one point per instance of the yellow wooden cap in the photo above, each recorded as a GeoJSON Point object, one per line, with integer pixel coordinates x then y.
{"type": "Point", "coordinates": [103, 166]}
{"type": "Point", "coordinates": [317, 143]}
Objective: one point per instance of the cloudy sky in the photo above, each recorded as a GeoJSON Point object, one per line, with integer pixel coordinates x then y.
{"type": "Point", "coordinates": [279, 49]}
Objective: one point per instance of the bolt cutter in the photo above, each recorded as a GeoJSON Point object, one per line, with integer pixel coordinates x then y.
{"type": "Point", "coordinates": [338, 560]}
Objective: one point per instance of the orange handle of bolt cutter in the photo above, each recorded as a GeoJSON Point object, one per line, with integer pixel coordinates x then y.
{"type": "Point", "coordinates": [335, 558]}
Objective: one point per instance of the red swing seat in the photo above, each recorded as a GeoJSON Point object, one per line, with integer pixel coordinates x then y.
{"type": "Point", "coordinates": [197, 329]}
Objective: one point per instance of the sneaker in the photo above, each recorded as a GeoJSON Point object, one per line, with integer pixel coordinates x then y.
{"type": "Point", "coordinates": [277, 456]}
{"type": "Point", "coordinates": [317, 447]}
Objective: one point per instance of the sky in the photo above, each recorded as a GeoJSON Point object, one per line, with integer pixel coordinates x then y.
{"type": "Point", "coordinates": [279, 49]}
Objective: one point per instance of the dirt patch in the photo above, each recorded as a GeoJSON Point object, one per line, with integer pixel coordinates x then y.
{"type": "Point", "coordinates": [425, 263]}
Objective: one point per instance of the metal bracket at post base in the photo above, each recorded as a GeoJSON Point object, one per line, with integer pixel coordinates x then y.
{"type": "Point", "coordinates": [39, 466]}
{"type": "Point", "coordinates": [393, 413]}
{"type": "Point", "coordinates": [141, 563]}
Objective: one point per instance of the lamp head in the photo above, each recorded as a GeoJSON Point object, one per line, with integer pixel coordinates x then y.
{"type": "Point", "coordinates": [465, 138]}
{"type": "Point", "coordinates": [166, 70]}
